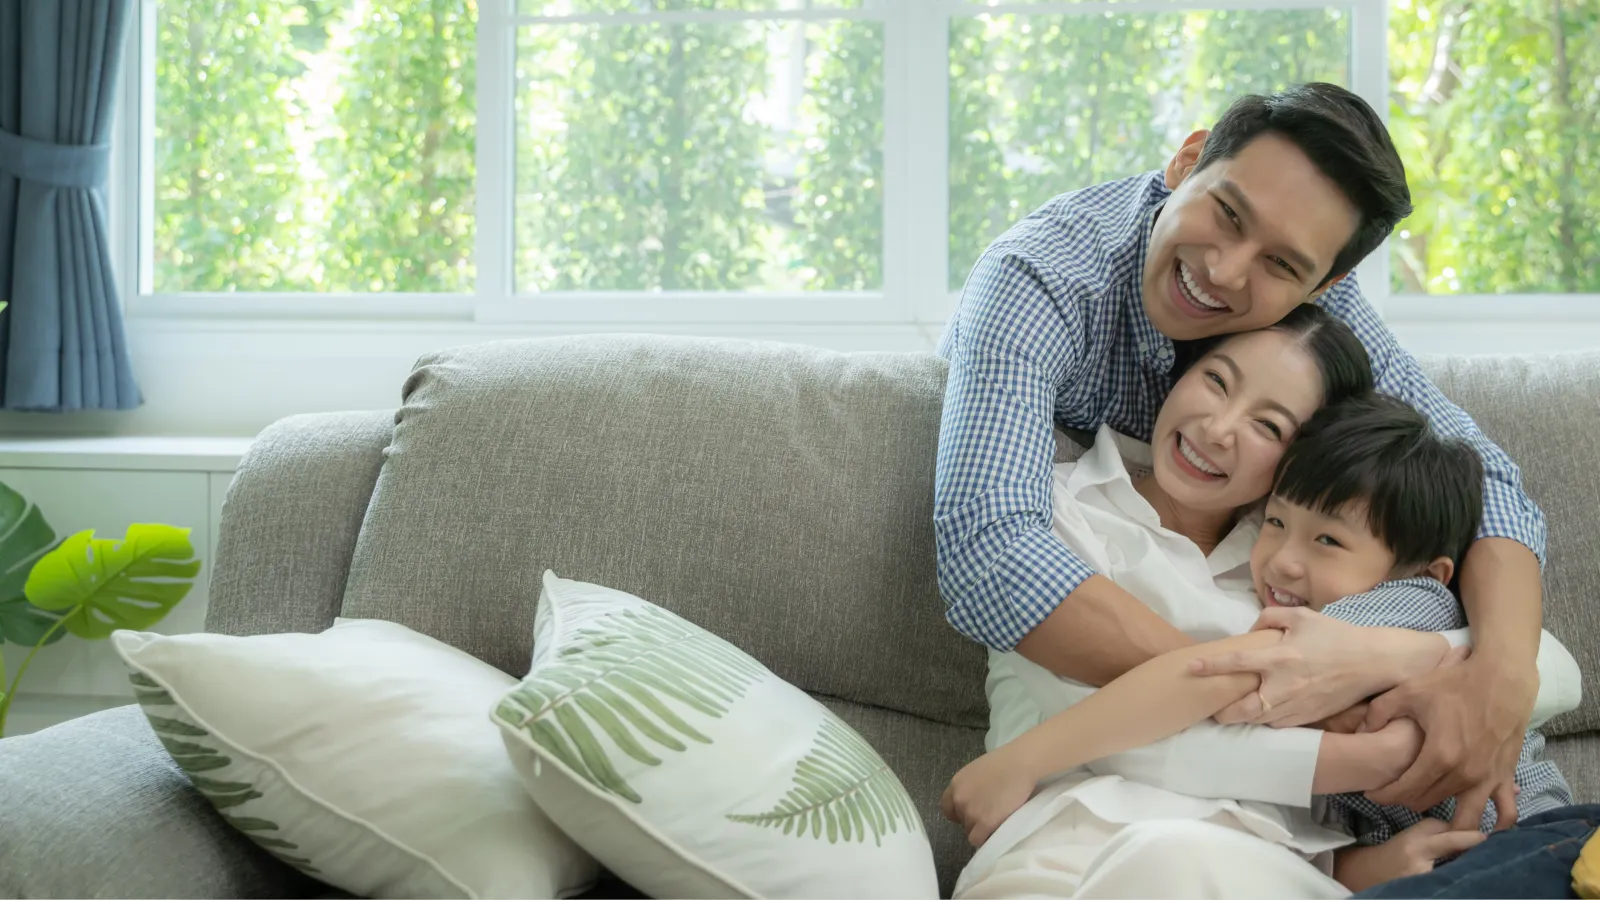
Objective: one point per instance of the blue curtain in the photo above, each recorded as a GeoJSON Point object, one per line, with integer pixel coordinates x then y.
{"type": "Point", "coordinates": [62, 345]}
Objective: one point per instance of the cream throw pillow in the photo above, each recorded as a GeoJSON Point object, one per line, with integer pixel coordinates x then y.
{"type": "Point", "coordinates": [359, 755]}
{"type": "Point", "coordinates": [690, 770]}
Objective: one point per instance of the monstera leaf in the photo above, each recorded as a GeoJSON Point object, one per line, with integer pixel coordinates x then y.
{"type": "Point", "coordinates": [24, 538]}
{"type": "Point", "coordinates": [102, 585]}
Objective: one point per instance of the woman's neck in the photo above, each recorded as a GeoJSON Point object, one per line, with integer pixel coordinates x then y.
{"type": "Point", "coordinates": [1206, 529]}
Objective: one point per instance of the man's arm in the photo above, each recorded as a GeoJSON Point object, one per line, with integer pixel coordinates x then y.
{"type": "Point", "coordinates": [1125, 634]}
{"type": "Point", "coordinates": [1008, 581]}
{"type": "Point", "coordinates": [1474, 738]}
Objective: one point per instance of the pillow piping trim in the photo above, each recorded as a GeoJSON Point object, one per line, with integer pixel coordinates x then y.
{"type": "Point", "coordinates": [289, 780]}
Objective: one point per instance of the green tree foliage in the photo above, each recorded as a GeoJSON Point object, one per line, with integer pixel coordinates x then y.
{"type": "Point", "coordinates": [400, 160]}
{"type": "Point", "coordinates": [1496, 111]}
{"type": "Point", "coordinates": [838, 213]}
{"type": "Point", "coordinates": [225, 174]}
{"type": "Point", "coordinates": [638, 168]}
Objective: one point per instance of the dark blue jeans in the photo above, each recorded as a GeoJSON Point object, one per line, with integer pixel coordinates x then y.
{"type": "Point", "coordinates": [1533, 859]}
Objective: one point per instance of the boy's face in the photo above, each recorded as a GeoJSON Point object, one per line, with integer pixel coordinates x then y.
{"type": "Point", "coordinates": [1305, 558]}
{"type": "Point", "coordinates": [1242, 241]}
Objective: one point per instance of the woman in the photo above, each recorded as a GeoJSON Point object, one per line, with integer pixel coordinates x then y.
{"type": "Point", "coordinates": [1163, 521]}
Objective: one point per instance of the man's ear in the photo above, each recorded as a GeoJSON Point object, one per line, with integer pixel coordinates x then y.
{"type": "Point", "coordinates": [1184, 160]}
{"type": "Point", "coordinates": [1440, 570]}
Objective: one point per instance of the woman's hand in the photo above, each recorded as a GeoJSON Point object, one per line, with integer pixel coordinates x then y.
{"type": "Point", "coordinates": [1321, 667]}
{"type": "Point", "coordinates": [1411, 852]}
{"type": "Point", "coordinates": [985, 793]}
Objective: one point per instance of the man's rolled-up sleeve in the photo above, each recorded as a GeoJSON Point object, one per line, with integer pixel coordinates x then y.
{"type": "Point", "coordinates": [1014, 340]}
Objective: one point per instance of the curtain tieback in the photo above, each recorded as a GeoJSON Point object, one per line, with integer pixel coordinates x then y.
{"type": "Point", "coordinates": [57, 165]}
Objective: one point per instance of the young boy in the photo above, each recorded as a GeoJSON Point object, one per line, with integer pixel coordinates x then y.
{"type": "Point", "coordinates": [1369, 515]}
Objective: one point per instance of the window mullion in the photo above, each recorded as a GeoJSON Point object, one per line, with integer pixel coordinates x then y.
{"type": "Point", "coordinates": [917, 99]}
{"type": "Point", "coordinates": [494, 242]}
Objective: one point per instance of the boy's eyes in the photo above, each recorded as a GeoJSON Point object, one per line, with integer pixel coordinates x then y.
{"type": "Point", "coordinates": [1274, 521]}
{"type": "Point", "coordinates": [1328, 541]}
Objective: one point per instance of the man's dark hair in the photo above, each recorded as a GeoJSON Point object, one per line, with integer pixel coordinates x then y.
{"type": "Point", "coordinates": [1339, 355]}
{"type": "Point", "coordinates": [1423, 492]}
{"type": "Point", "coordinates": [1343, 137]}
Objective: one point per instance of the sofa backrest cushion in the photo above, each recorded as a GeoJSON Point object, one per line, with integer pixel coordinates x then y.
{"type": "Point", "coordinates": [780, 496]}
{"type": "Point", "coordinates": [1543, 410]}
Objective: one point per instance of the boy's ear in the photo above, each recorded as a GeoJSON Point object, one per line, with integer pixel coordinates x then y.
{"type": "Point", "coordinates": [1440, 570]}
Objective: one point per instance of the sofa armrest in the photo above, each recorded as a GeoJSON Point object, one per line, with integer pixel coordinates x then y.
{"type": "Point", "coordinates": [290, 522]}
{"type": "Point", "coordinates": [95, 807]}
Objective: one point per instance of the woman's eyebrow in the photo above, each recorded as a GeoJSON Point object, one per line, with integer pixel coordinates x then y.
{"type": "Point", "coordinates": [1238, 375]}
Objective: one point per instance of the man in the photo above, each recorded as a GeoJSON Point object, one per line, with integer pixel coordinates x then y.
{"type": "Point", "coordinates": [1069, 318]}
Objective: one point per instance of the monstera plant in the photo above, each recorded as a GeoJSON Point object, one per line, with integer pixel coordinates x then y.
{"type": "Point", "coordinates": [82, 585]}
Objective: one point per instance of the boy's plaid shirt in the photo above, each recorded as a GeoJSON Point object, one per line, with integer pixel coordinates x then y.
{"type": "Point", "coordinates": [1424, 604]}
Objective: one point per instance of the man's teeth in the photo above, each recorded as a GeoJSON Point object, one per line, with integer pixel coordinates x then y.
{"type": "Point", "coordinates": [1195, 459]}
{"type": "Point", "coordinates": [1284, 598]}
{"type": "Point", "coordinates": [1195, 293]}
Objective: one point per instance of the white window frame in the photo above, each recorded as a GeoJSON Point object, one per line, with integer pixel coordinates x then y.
{"type": "Point", "coordinates": [915, 184]}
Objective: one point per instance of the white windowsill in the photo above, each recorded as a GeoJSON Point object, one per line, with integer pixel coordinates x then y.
{"type": "Point", "coordinates": [125, 453]}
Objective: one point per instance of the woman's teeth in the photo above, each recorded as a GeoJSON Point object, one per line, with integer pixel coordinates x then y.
{"type": "Point", "coordinates": [1195, 459]}
{"type": "Point", "coordinates": [1284, 598]}
{"type": "Point", "coordinates": [1194, 290]}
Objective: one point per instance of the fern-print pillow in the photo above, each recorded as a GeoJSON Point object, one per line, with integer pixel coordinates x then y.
{"type": "Point", "coordinates": [359, 755]}
{"type": "Point", "coordinates": [689, 770]}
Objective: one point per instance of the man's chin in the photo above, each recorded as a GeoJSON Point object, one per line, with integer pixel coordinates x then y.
{"type": "Point", "coordinates": [1180, 328]}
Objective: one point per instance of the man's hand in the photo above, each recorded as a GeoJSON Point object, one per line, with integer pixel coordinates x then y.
{"type": "Point", "coordinates": [1321, 667]}
{"type": "Point", "coordinates": [1475, 716]}
{"type": "Point", "coordinates": [984, 794]}
{"type": "Point", "coordinates": [1411, 852]}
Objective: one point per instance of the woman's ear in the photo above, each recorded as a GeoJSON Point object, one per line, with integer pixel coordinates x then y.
{"type": "Point", "coordinates": [1440, 570]}
{"type": "Point", "coordinates": [1183, 162]}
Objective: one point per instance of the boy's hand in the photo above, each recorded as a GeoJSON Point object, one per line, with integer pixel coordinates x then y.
{"type": "Point", "coordinates": [1411, 852]}
{"type": "Point", "coordinates": [984, 794]}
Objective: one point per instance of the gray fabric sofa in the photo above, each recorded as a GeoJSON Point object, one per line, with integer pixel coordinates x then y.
{"type": "Point", "coordinates": [778, 495]}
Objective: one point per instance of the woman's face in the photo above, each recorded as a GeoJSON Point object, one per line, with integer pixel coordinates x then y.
{"type": "Point", "coordinates": [1227, 421]}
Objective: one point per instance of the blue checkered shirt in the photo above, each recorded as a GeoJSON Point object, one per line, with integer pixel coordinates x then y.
{"type": "Point", "coordinates": [1051, 330]}
{"type": "Point", "coordinates": [1423, 604]}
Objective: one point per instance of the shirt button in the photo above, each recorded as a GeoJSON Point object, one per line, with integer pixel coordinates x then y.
{"type": "Point", "coordinates": [1143, 347]}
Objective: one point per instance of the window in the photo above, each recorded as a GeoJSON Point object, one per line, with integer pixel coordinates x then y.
{"type": "Point", "coordinates": [799, 159]}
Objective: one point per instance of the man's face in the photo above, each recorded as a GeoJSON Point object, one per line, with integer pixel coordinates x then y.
{"type": "Point", "coordinates": [1241, 242]}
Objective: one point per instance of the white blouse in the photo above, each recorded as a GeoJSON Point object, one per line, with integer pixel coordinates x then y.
{"type": "Point", "coordinates": [1260, 776]}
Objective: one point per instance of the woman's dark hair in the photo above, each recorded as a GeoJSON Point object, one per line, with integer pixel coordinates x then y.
{"type": "Point", "coordinates": [1423, 492]}
{"type": "Point", "coordinates": [1341, 359]}
{"type": "Point", "coordinates": [1345, 140]}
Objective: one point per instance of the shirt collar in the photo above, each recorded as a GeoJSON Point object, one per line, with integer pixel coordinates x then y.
{"type": "Point", "coordinates": [1234, 550]}
{"type": "Point", "coordinates": [1107, 465]}
{"type": "Point", "coordinates": [1110, 465]}
{"type": "Point", "coordinates": [1155, 349]}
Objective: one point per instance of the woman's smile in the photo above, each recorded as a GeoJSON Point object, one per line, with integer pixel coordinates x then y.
{"type": "Point", "coordinates": [1192, 462]}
